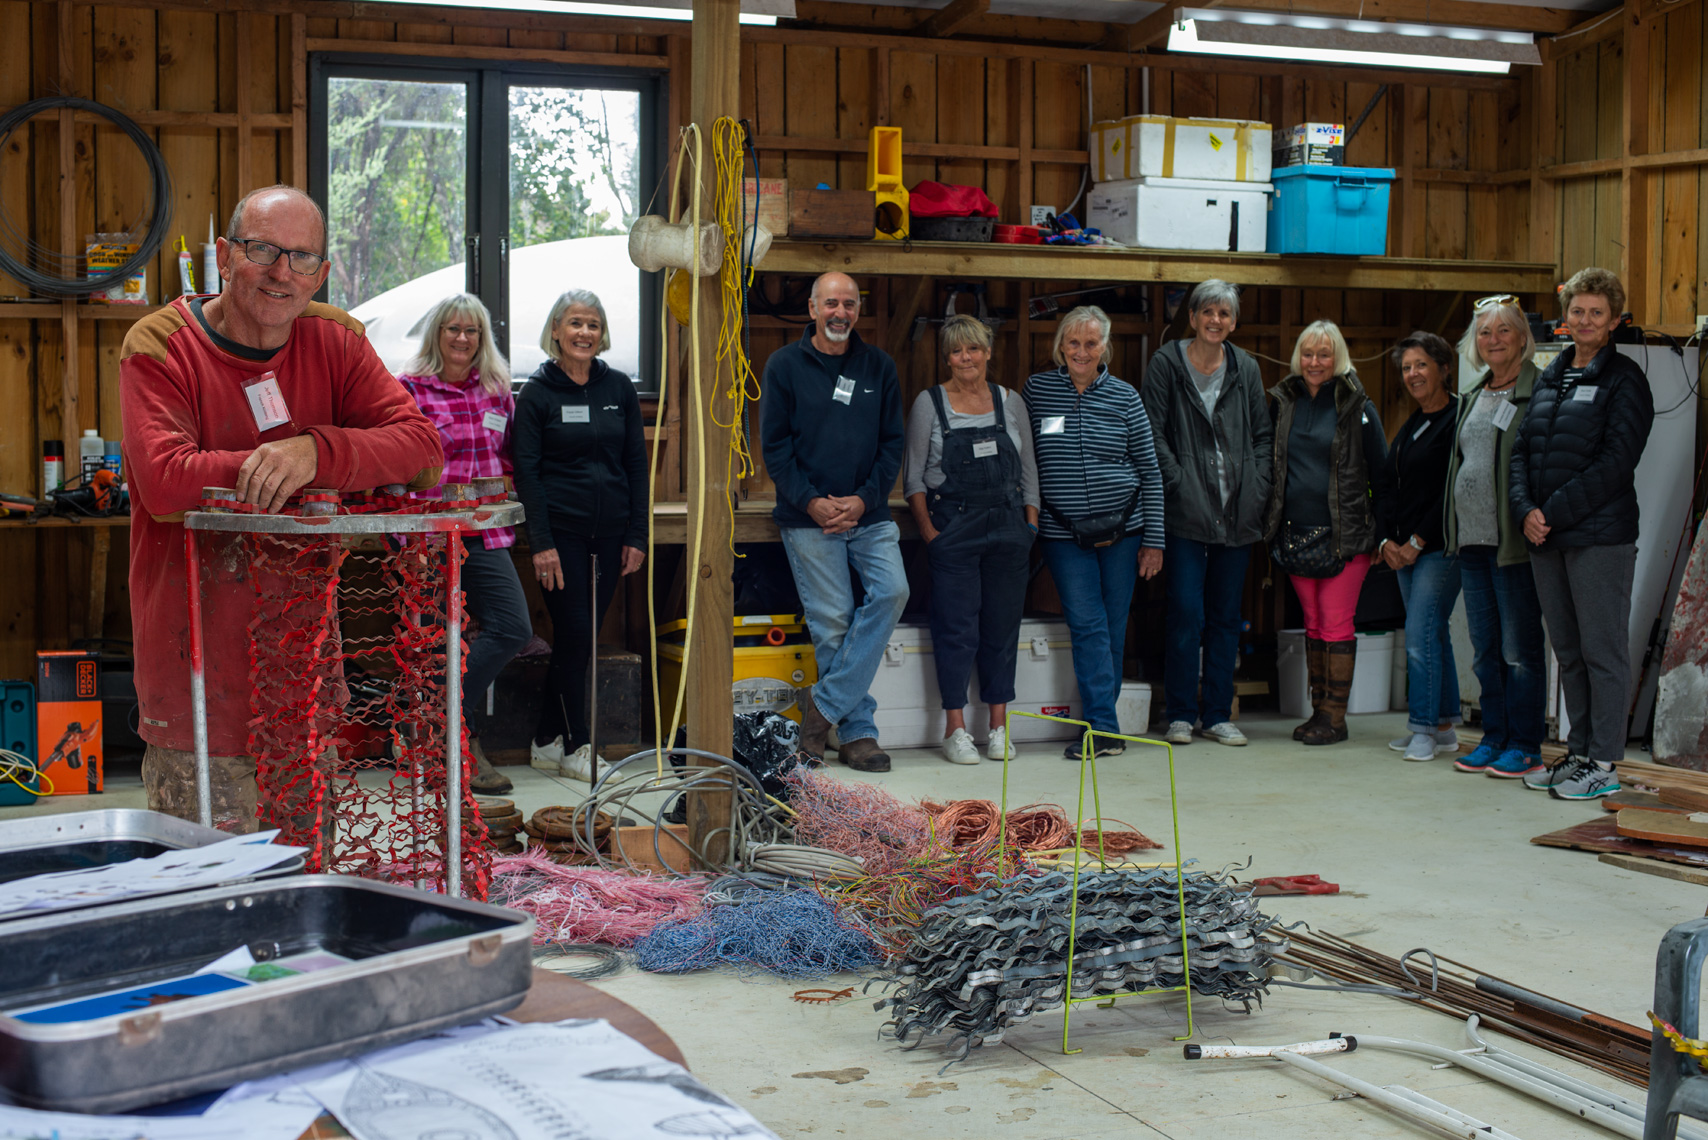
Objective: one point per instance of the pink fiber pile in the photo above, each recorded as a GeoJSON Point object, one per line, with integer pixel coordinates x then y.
{"type": "Point", "coordinates": [861, 820]}
{"type": "Point", "coordinates": [585, 904]}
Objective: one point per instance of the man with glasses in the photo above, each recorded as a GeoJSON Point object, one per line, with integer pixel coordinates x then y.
{"type": "Point", "coordinates": [261, 389]}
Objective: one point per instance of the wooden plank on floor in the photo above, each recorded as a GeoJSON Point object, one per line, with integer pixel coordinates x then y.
{"type": "Point", "coordinates": [1655, 867]}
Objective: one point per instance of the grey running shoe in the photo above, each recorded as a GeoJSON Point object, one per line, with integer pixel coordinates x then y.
{"type": "Point", "coordinates": [1542, 780]}
{"type": "Point", "coordinates": [1587, 780]}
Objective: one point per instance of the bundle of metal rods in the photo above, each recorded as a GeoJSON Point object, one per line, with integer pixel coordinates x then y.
{"type": "Point", "coordinates": [1601, 1042]}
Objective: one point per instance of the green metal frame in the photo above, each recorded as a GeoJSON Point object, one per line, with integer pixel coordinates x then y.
{"type": "Point", "coordinates": [1088, 761]}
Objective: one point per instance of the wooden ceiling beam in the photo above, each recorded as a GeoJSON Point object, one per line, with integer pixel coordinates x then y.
{"type": "Point", "coordinates": [1454, 13]}
{"type": "Point", "coordinates": [950, 18]}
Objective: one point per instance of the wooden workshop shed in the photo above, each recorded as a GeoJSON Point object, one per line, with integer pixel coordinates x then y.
{"type": "Point", "coordinates": [1503, 184]}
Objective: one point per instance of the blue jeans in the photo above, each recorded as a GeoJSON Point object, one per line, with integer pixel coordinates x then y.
{"type": "Point", "coordinates": [1096, 588]}
{"type": "Point", "coordinates": [848, 642]}
{"type": "Point", "coordinates": [1505, 617]}
{"type": "Point", "coordinates": [1430, 586]}
{"type": "Point", "coordinates": [1205, 582]}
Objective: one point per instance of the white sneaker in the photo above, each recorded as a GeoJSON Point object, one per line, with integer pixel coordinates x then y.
{"type": "Point", "coordinates": [1179, 732]}
{"type": "Point", "coordinates": [1446, 740]}
{"type": "Point", "coordinates": [958, 748]}
{"type": "Point", "coordinates": [578, 765]}
{"type": "Point", "coordinates": [1000, 748]}
{"type": "Point", "coordinates": [546, 757]}
{"type": "Point", "coordinates": [1423, 746]}
{"type": "Point", "coordinates": [1224, 733]}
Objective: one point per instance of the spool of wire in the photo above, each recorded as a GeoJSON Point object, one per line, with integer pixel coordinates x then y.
{"type": "Point", "coordinates": [604, 961]}
{"type": "Point", "coordinates": [56, 272]}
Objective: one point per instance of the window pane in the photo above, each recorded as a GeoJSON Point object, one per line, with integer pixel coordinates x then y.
{"type": "Point", "coordinates": [396, 203]}
{"type": "Point", "coordinates": [574, 193]}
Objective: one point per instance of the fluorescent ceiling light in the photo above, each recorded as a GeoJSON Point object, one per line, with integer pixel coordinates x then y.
{"type": "Point", "coordinates": [1324, 39]}
{"type": "Point", "coordinates": [763, 12]}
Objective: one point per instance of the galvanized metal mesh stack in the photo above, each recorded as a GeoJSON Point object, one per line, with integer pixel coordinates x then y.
{"type": "Point", "coordinates": [995, 958]}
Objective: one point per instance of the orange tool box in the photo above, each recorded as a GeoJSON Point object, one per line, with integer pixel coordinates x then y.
{"type": "Point", "coordinates": [68, 721]}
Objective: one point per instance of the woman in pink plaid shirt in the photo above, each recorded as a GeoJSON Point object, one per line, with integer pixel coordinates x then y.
{"type": "Point", "coordinates": [461, 382]}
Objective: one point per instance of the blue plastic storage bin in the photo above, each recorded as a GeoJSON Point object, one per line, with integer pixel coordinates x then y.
{"type": "Point", "coordinates": [1329, 209]}
{"type": "Point", "coordinates": [18, 734]}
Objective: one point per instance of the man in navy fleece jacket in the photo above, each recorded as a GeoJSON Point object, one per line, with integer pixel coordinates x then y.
{"type": "Point", "coordinates": [833, 439]}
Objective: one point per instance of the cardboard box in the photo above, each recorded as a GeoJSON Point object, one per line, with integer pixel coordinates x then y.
{"type": "Point", "coordinates": [1312, 134]}
{"type": "Point", "coordinates": [643, 846]}
{"type": "Point", "coordinates": [1307, 154]}
{"type": "Point", "coordinates": [68, 722]}
{"type": "Point", "coordinates": [773, 205]}
{"type": "Point", "coordinates": [1159, 146]}
{"type": "Point", "coordinates": [1182, 213]}
{"type": "Point", "coordinates": [845, 215]}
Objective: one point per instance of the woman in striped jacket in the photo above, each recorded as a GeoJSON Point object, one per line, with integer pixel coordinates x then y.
{"type": "Point", "coordinates": [1102, 526]}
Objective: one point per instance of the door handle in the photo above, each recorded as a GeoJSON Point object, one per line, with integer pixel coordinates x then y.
{"type": "Point", "coordinates": [472, 261]}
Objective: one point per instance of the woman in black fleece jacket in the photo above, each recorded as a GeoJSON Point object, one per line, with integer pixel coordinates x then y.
{"type": "Point", "coordinates": [1573, 488]}
{"type": "Point", "coordinates": [581, 475]}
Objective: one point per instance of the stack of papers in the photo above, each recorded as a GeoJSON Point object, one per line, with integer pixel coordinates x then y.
{"type": "Point", "coordinates": [492, 1081]}
{"type": "Point", "coordinates": [240, 857]}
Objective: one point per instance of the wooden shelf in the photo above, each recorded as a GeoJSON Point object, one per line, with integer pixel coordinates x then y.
{"type": "Point", "coordinates": [65, 524]}
{"type": "Point", "coordinates": [752, 521]}
{"type": "Point", "coordinates": [53, 310]}
{"type": "Point", "coordinates": [1095, 263]}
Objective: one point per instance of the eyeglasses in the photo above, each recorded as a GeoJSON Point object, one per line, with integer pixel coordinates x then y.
{"type": "Point", "coordinates": [1492, 302]}
{"type": "Point", "coordinates": [265, 253]}
{"type": "Point", "coordinates": [472, 332]}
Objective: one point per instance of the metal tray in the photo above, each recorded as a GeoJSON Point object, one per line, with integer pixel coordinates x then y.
{"type": "Point", "coordinates": [423, 962]}
{"type": "Point", "coordinates": [78, 840]}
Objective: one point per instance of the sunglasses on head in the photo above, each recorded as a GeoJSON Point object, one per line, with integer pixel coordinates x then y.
{"type": "Point", "coordinates": [1492, 302]}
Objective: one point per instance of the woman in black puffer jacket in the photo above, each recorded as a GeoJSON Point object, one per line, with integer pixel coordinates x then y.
{"type": "Point", "coordinates": [1573, 488]}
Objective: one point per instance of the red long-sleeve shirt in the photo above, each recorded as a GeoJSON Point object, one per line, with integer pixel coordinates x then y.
{"type": "Point", "coordinates": [188, 424]}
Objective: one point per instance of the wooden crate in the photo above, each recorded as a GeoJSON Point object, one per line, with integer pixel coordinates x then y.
{"type": "Point", "coordinates": [773, 204]}
{"type": "Point", "coordinates": [845, 215]}
{"type": "Point", "coordinates": [637, 844]}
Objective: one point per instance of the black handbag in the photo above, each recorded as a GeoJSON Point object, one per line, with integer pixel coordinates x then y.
{"type": "Point", "coordinates": [1099, 530]}
{"type": "Point", "coordinates": [1307, 551]}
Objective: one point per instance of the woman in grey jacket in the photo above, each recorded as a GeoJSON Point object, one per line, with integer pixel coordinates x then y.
{"type": "Point", "coordinates": [1213, 437]}
{"type": "Point", "coordinates": [1501, 607]}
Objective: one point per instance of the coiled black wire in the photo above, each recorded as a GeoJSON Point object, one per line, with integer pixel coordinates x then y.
{"type": "Point", "coordinates": [68, 283]}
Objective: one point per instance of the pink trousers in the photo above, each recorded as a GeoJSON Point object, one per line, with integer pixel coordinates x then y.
{"type": "Point", "coordinates": [1329, 603]}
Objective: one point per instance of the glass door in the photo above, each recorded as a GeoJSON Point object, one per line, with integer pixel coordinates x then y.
{"type": "Point", "coordinates": [574, 192]}
{"type": "Point", "coordinates": [397, 202]}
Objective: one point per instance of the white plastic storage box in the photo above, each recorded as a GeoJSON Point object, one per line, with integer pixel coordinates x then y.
{"type": "Point", "coordinates": [1371, 675]}
{"type": "Point", "coordinates": [1158, 146]}
{"type": "Point", "coordinates": [1182, 213]}
{"type": "Point", "coordinates": [910, 707]}
{"type": "Point", "coordinates": [1133, 708]}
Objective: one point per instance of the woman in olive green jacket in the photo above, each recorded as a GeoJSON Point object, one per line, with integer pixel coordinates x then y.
{"type": "Point", "coordinates": [1501, 606]}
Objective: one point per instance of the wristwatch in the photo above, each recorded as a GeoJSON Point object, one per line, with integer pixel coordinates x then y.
{"type": "Point", "coordinates": [1414, 543]}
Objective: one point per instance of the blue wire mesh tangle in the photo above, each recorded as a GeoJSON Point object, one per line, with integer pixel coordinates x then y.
{"type": "Point", "coordinates": [791, 933]}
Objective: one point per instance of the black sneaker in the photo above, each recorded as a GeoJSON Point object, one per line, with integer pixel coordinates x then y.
{"type": "Point", "coordinates": [1101, 745]}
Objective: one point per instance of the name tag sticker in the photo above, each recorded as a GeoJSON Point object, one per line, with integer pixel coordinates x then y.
{"type": "Point", "coordinates": [1052, 425]}
{"type": "Point", "coordinates": [577, 414]}
{"type": "Point", "coordinates": [494, 421]}
{"type": "Point", "coordinates": [1504, 415]}
{"type": "Point", "coordinates": [1585, 393]}
{"type": "Point", "coordinates": [844, 391]}
{"type": "Point", "coordinates": [984, 449]}
{"type": "Point", "coordinates": [267, 402]}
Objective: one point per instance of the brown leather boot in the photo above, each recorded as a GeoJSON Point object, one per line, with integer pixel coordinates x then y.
{"type": "Point", "coordinates": [1341, 657]}
{"type": "Point", "coordinates": [815, 729]}
{"type": "Point", "coordinates": [1316, 654]}
{"type": "Point", "coordinates": [487, 780]}
{"type": "Point", "coordinates": [864, 755]}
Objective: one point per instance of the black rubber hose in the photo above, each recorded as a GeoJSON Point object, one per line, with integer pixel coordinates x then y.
{"type": "Point", "coordinates": [159, 222]}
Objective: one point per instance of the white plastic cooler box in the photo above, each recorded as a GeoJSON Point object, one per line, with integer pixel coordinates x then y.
{"type": "Point", "coordinates": [1372, 673]}
{"type": "Point", "coordinates": [1182, 213]}
{"type": "Point", "coordinates": [910, 713]}
{"type": "Point", "coordinates": [1161, 146]}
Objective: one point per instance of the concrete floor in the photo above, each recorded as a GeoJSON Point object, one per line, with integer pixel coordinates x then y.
{"type": "Point", "coordinates": [1425, 856]}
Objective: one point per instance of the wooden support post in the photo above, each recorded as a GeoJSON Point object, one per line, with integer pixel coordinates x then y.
{"type": "Point", "coordinates": [1634, 181]}
{"type": "Point", "coordinates": [1020, 85]}
{"type": "Point", "coordinates": [716, 63]}
{"type": "Point", "coordinates": [100, 544]}
{"type": "Point", "coordinates": [879, 106]}
{"type": "Point", "coordinates": [245, 105]}
{"type": "Point", "coordinates": [1544, 151]}
{"type": "Point", "coordinates": [299, 100]}
{"type": "Point", "coordinates": [69, 425]}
